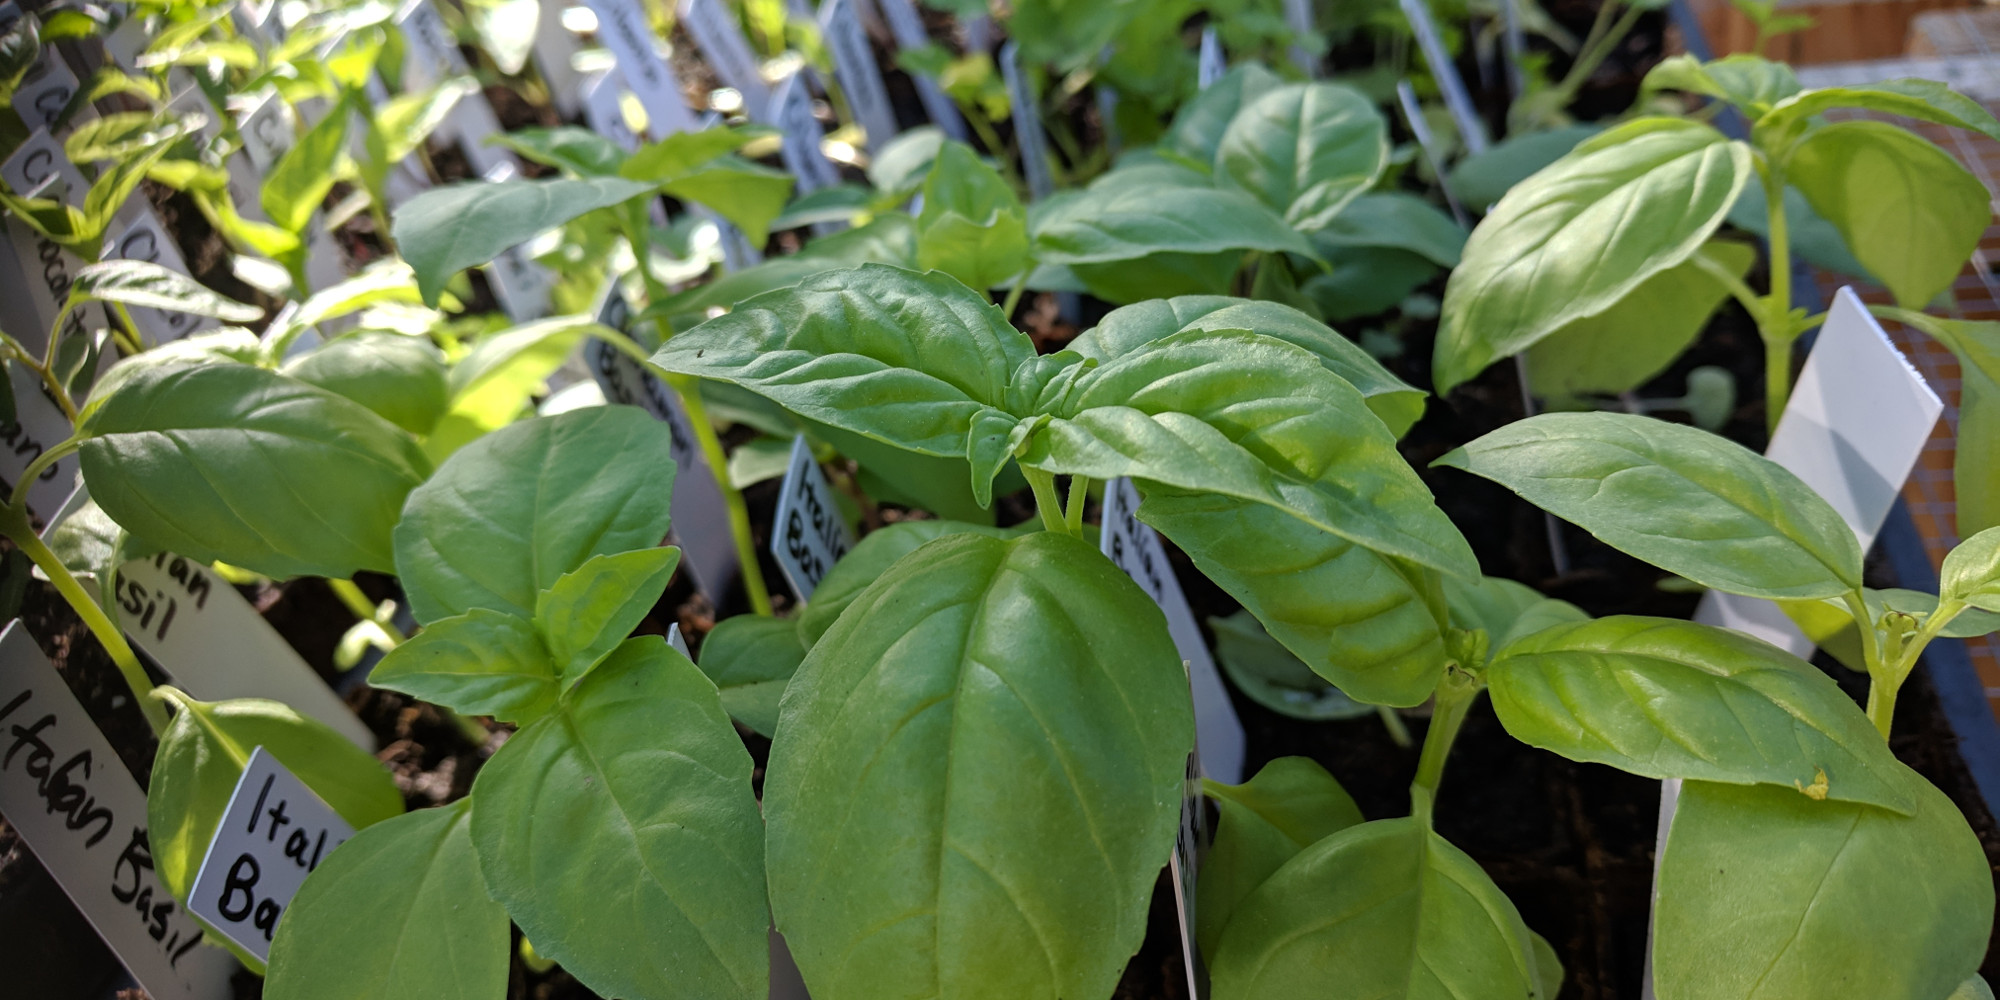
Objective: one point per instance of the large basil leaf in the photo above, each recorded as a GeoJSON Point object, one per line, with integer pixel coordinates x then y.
{"type": "Point", "coordinates": [1273, 676]}
{"type": "Point", "coordinates": [401, 378]}
{"type": "Point", "coordinates": [1764, 893]}
{"type": "Point", "coordinates": [972, 225]}
{"type": "Point", "coordinates": [241, 464]}
{"type": "Point", "coordinates": [622, 836]}
{"type": "Point", "coordinates": [1386, 909]}
{"type": "Point", "coordinates": [445, 230]}
{"type": "Point", "coordinates": [1975, 469]}
{"type": "Point", "coordinates": [1635, 340]}
{"type": "Point", "coordinates": [1122, 331]}
{"type": "Point", "coordinates": [975, 678]}
{"type": "Point", "coordinates": [1685, 500]}
{"type": "Point", "coordinates": [1117, 220]}
{"type": "Point", "coordinates": [1305, 150]}
{"type": "Point", "coordinates": [482, 662]}
{"type": "Point", "coordinates": [1368, 623]}
{"type": "Point", "coordinates": [592, 608]}
{"type": "Point", "coordinates": [512, 512]}
{"type": "Point", "coordinates": [1251, 417]}
{"type": "Point", "coordinates": [1924, 100]}
{"type": "Point", "coordinates": [910, 359]}
{"type": "Point", "coordinates": [1394, 219]}
{"type": "Point", "coordinates": [1198, 126]}
{"type": "Point", "coordinates": [1673, 699]}
{"type": "Point", "coordinates": [1290, 805]}
{"type": "Point", "coordinates": [1909, 211]}
{"type": "Point", "coordinates": [203, 753]}
{"type": "Point", "coordinates": [1579, 236]}
{"type": "Point", "coordinates": [751, 658]}
{"type": "Point", "coordinates": [397, 913]}
{"type": "Point", "coordinates": [860, 568]}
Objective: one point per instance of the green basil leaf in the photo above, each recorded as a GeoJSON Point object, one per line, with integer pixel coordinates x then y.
{"type": "Point", "coordinates": [1394, 219]}
{"type": "Point", "coordinates": [1548, 967]}
{"type": "Point", "coordinates": [579, 151]}
{"type": "Point", "coordinates": [401, 126]}
{"type": "Point", "coordinates": [750, 195]}
{"type": "Point", "coordinates": [506, 30]}
{"type": "Point", "coordinates": [1580, 235]}
{"type": "Point", "coordinates": [1631, 343]}
{"type": "Point", "coordinates": [495, 381]}
{"type": "Point", "coordinates": [866, 563]}
{"type": "Point", "coordinates": [1273, 676]}
{"type": "Point", "coordinates": [888, 239]}
{"type": "Point", "coordinates": [146, 284]}
{"type": "Point", "coordinates": [1971, 571]}
{"type": "Point", "coordinates": [203, 752]}
{"type": "Point", "coordinates": [904, 358]}
{"type": "Point", "coordinates": [1366, 281]}
{"type": "Point", "coordinates": [479, 663]}
{"type": "Point", "coordinates": [751, 659]}
{"type": "Point", "coordinates": [1750, 83]}
{"type": "Point", "coordinates": [1763, 892]}
{"type": "Point", "coordinates": [1687, 501]}
{"type": "Point", "coordinates": [398, 377]}
{"type": "Point", "coordinates": [301, 178]}
{"type": "Point", "coordinates": [1975, 468]}
{"type": "Point", "coordinates": [445, 230]}
{"type": "Point", "coordinates": [622, 835]}
{"type": "Point", "coordinates": [398, 911]}
{"type": "Point", "coordinates": [1114, 220]}
{"type": "Point", "coordinates": [1506, 610]}
{"type": "Point", "coordinates": [1972, 989]}
{"type": "Point", "coordinates": [1198, 126]}
{"type": "Point", "coordinates": [1248, 416]}
{"type": "Point", "coordinates": [1305, 150]}
{"type": "Point", "coordinates": [1368, 623]}
{"type": "Point", "coordinates": [1157, 275]}
{"type": "Point", "coordinates": [509, 514]}
{"type": "Point", "coordinates": [125, 134]}
{"type": "Point", "coordinates": [1909, 211]}
{"type": "Point", "coordinates": [1673, 699]}
{"type": "Point", "coordinates": [1386, 909]}
{"type": "Point", "coordinates": [594, 607]}
{"type": "Point", "coordinates": [1123, 330]}
{"type": "Point", "coordinates": [990, 674]}
{"type": "Point", "coordinates": [239, 464]}
{"type": "Point", "coordinates": [1924, 100]}
{"type": "Point", "coordinates": [901, 163]}
{"type": "Point", "coordinates": [1481, 179]}
{"type": "Point", "coordinates": [1290, 805]}
{"type": "Point", "coordinates": [972, 226]}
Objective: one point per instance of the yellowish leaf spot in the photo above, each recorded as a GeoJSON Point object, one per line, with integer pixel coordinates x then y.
{"type": "Point", "coordinates": [1815, 791]}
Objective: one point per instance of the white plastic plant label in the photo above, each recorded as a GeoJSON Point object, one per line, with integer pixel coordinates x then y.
{"type": "Point", "coordinates": [808, 535]}
{"type": "Point", "coordinates": [146, 239]}
{"type": "Point", "coordinates": [622, 27]}
{"type": "Point", "coordinates": [1185, 867]}
{"type": "Point", "coordinates": [855, 67]}
{"type": "Point", "coordinates": [678, 641]}
{"type": "Point", "coordinates": [907, 27]}
{"type": "Point", "coordinates": [602, 95]}
{"type": "Point", "coordinates": [1027, 125]}
{"type": "Point", "coordinates": [38, 425]}
{"type": "Point", "coordinates": [1471, 131]}
{"type": "Point", "coordinates": [39, 160]}
{"type": "Point", "coordinates": [1135, 548]}
{"type": "Point", "coordinates": [1299, 18]}
{"type": "Point", "coordinates": [267, 131]}
{"type": "Point", "coordinates": [64, 790]}
{"type": "Point", "coordinates": [700, 519]}
{"type": "Point", "coordinates": [45, 91]}
{"type": "Point", "coordinates": [215, 644]}
{"type": "Point", "coordinates": [274, 832]}
{"type": "Point", "coordinates": [554, 49]}
{"type": "Point", "coordinates": [791, 110]}
{"type": "Point", "coordinates": [1210, 65]}
{"type": "Point", "coordinates": [1413, 116]}
{"type": "Point", "coordinates": [714, 31]}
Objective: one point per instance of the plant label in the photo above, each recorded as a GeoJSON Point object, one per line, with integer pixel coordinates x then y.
{"type": "Point", "coordinates": [554, 50]}
{"type": "Point", "coordinates": [714, 30]}
{"type": "Point", "coordinates": [45, 91]}
{"type": "Point", "coordinates": [678, 641]}
{"type": "Point", "coordinates": [859, 75]}
{"type": "Point", "coordinates": [1185, 867]}
{"type": "Point", "coordinates": [267, 131]}
{"type": "Point", "coordinates": [622, 27]}
{"type": "Point", "coordinates": [1027, 125]}
{"type": "Point", "coordinates": [808, 535]}
{"type": "Point", "coordinates": [1299, 18]}
{"type": "Point", "coordinates": [213, 642]}
{"type": "Point", "coordinates": [1413, 115]}
{"type": "Point", "coordinates": [1471, 131]}
{"type": "Point", "coordinates": [434, 54]}
{"type": "Point", "coordinates": [274, 832]}
{"type": "Point", "coordinates": [1210, 65]}
{"type": "Point", "coordinates": [48, 270]}
{"type": "Point", "coordinates": [791, 110]}
{"type": "Point", "coordinates": [38, 425]}
{"type": "Point", "coordinates": [1135, 548]}
{"type": "Point", "coordinates": [1857, 420]}
{"type": "Point", "coordinates": [907, 27]}
{"type": "Point", "coordinates": [64, 790]}
{"type": "Point", "coordinates": [737, 253]}
{"type": "Point", "coordinates": [603, 111]}
{"type": "Point", "coordinates": [700, 516]}
{"type": "Point", "coordinates": [130, 38]}
{"type": "Point", "coordinates": [38, 161]}
{"type": "Point", "coordinates": [146, 239]}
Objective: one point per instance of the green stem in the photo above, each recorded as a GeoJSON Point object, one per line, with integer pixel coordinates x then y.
{"type": "Point", "coordinates": [1046, 503]}
{"type": "Point", "coordinates": [19, 502]}
{"type": "Point", "coordinates": [1014, 294]}
{"type": "Point", "coordinates": [1597, 47]}
{"type": "Point", "coordinates": [1398, 733]}
{"type": "Point", "coordinates": [365, 609]}
{"type": "Point", "coordinates": [1449, 707]}
{"type": "Point", "coordinates": [1884, 686]}
{"type": "Point", "coordinates": [14, 524]}
{"type": "Point", "coordinates": [1079, 488]}
{"type": "Point", "coordinates": [43, 371]}
{"type": "Point", "coordinates": [1775, 323]}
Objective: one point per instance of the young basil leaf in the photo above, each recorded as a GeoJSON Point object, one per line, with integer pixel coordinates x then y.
{"type": "Point", "coordinates": [1273, 676]}
{"type": "Point", "coordinates": [300, 180]}
{"type": "Point", "coordinates": [1909, 211]}
{"type": "Point", "coordinates": [1368, 623]}
{"type": "Point", "coordinates": [1198, 127]}
{"type": "Point", "coordinates": [972, 226]}
{"type": "Point", "coordinates": [900, 165]}
{"type": "Point", "coordinates": [622, 835]}
{"type": "Point", "coordinates": [1380, 908]}
{"type": "Point", "coordinates": [1673, 699]}
{"type": "Point", "coordinates": [445, 230]}
{"type": "Point", "coordinates": [977, 675]}
{"type": "Point", "coordinates": [1830, 625]}
{"type": "Point", "coordinates": [1574, 239]}
{"type": "Point", "coordinates": [943, 486]}
{"type": "Point", "coordinates": [122, 135]}
{"type": "Point", "coordinates": [1924, 100]}
{"type": "Point", "coordinates": [889, 239]}
{"type": "Point", "coordinates": [579, 151]}
{"type": "Point", "coordinates": [1366, 281]}
{"type": "Point", "coordinates": [1687, 501]}
{"type": "Point", "coordinates": [1251, 417]}
{"type": "Point", "coordinates": [149, 285]}
{"type": "Point", "coordinates": [478, 663]}
{"type": "Point", "coordinates": [1971, 571]}
{"type": "Point", "coordinates": [239, 464]}
{"type": "Point", "coordinates": [751, 659]}
{"type": "Point", "coordinates": [1750, 83]}
{"type": "Point", "coordinates": [1504, 609]}
{"type": "Point", "coordinates": [1157, 275]}
{"type": "Point", "coordinates": [203, 752]}
{"type": "Point", "coordinates": [1764, 892]}
{"type": "Point", "coordinates": [1305, 150]}
{"type": "Point", "coordinates": [108, 194]}
{"type": "Point", "coordinates": [399, 128]}
{"type": "Point", "coordinates": [398, 911]}
{"type": "Point", "coordinates": [1114, 220]}
{"type": "Point", "coordinates": [860, 568]}
{"type": "Point", "coordinates": [594, 607]}
{"type": "Point", "coordinates": [1394, 219]}
{"type": "Point", "coordinates": [1975, 469]}
{"type": "Point", "coordinates": [1123, 330]}
{"type": "Point", "coordinates": [493, 383]}
{"type": "Point", "coordinates": [1290, 805]}
{"type": "Point", "coordinates": [399, 377]}
{"type": "Point", "coordinates": [1635, 340]}
{"type": "Point", "coordinates": [749, 195]}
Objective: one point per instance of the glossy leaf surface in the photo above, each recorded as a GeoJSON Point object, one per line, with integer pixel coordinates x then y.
{"type": "Point", "coordinates": [1305, 150]}
{"type": "Point", "coordinates": [482, 662]}
{"type": "Point", "coordinates": [1291, 804]}
{"type": "Point", "coordinates": [591, 609]}
{"type": "Point", "coordinates": [445, 230]}
{"type": "Point", "coordinates": [751, 658]}
{"type": "Point", "coordinates": [400, 378]}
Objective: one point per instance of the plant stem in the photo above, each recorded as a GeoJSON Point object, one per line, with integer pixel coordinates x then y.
{"type": "Point", "coordinates": [1079, 488]}
{"type": "Point", "coordinates": [1597, 46]}
{"type": "Point", "coordinates": [1014, 294]}
{"type": "Point", "coordinates": [1449, 706]}
{"type": "Point", "coordinates": [1884, 686]}
{"type": "Point", "coordinates": [365, 609]}
{"type": "Point", "coordinates": [1398, 733]}
{"type": "Point", "coordinates": [1775, 324]}
{"type": "Point", "coordinates": [1046, 503]}
{"type": "Point", "coordinates": [19, 502]}
{"type": "Point", "coordinates": [14, 524]}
